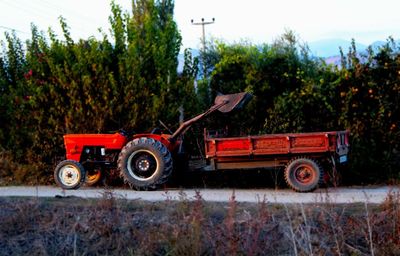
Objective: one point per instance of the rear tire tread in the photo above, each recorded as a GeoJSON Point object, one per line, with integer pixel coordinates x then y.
{"type": "Point", "coordinates": [157, 145]}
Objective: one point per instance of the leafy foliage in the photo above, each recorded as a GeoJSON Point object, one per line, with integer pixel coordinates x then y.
{"type": "Point", "coordinates": [370, 92]}
{"type": "Point", "coordinates": [296, 93]}
{"type": "Point", "coordinates": [51, 86]}
{"type": "Point", "coordinates": [56, 86]}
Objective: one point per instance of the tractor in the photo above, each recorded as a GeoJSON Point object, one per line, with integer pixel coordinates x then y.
{"type": "Point", "coordinates": [146, 161]}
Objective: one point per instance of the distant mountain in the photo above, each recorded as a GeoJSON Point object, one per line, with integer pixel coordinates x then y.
{"type": "Point", "coordinates": [376, 45]}
{"type": "Point", "coordinates": [335, 60]}
{"type": "Point", "coordinates": [330, 47]}
{"type": "Point", "coordinates": [332, 57]}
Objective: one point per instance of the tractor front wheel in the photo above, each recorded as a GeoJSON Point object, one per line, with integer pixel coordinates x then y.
{"type": "Point", "coordinates": [69, 174]}
{"type": "Point", "coordinates": [145, 163]}
{"type": "Point", "coordinates": [303, 174]}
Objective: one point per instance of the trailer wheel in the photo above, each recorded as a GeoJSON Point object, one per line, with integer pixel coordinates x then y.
{"type": "Point", "coordinates": [69, 174]}
{"type": "Point", "coordinates": [303, 174]}
{"type": "Point", "coordinates": [145, 163]}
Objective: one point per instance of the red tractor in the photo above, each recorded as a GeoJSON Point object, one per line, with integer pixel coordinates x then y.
{"type": "Point", "coordinates": [146, 161]}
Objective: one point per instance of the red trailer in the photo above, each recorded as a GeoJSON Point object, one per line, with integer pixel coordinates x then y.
{"type": "Point", "coordinates": [146, 161]}
{"type": "Point", "coordinates": [300, 154]}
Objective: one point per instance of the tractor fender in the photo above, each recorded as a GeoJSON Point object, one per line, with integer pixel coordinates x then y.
{"type": "Point", "coordinates": [163, 138]}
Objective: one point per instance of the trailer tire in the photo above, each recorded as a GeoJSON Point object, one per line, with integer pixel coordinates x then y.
{"type": "Point", "coordinates": [303, 174]}
{"type": "Point", "coordinates": [69, 174]}
{"type": "Point", "coordinates": [145, 163]}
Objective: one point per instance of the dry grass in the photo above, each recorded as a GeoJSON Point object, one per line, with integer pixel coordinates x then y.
{"type": "Point", "coordinates": [115, 226]}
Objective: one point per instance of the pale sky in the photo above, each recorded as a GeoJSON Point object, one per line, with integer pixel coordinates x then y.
{"type": "Point", "coordinates": [257, 21]}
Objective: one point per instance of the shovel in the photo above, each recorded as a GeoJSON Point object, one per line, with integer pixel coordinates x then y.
{"type": "Point", "coordinates": [223, 103]}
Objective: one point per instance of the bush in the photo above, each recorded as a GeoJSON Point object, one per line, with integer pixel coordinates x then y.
{"type": "Point", "coordinates": [115, 226]}
{"type": "Point", "coordinates": [51, 86]}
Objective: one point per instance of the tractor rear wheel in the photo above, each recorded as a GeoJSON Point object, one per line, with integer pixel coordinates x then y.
{"type": "Point", "coordinates": [145, 163]}
{"type": "Point", "coordinates": [69, 174]}
{"type": "Point", "coordinates": [303, 174]}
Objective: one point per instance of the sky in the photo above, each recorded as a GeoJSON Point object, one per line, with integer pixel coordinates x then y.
{"type": "Point", "coordinates": [256, 21]}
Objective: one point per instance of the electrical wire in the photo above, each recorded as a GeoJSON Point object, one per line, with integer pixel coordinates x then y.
{"type": "Point", "coordinates": [49, 11]}
{"type": "Point", "coordinates": [13, 29]}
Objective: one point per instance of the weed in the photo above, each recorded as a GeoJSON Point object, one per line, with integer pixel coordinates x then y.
{"type": "Point", "coordinates": [191, 226]}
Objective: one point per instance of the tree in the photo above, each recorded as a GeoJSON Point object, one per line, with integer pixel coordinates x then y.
{"type": "Point", "coordinates": [148, 63]}
{"type": "Point", "coordinates": [61, 86]}
{"type": "Point", "coordinates": [370, 93]}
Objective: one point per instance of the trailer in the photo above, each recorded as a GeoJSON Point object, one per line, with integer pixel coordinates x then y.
{"type": "Point", "coordinates": [300, 155]}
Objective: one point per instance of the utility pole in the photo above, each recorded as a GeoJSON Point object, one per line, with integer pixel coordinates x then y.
{"type": "Point", "coordinates": [203, 23]}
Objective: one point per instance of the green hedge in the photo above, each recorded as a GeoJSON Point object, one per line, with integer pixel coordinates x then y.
{"type": "Point", "coordinates": [51, 86]}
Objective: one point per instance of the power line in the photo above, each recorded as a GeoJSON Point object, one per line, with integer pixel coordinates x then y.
{"type": "Point", "coordinates": [13, 29]}
{"type": "Point", "coordinates": [51, 11]}
{"type": "Point", "coordinates": [55, 6]}
{"type": "Point", "coordinates": [22, 8]}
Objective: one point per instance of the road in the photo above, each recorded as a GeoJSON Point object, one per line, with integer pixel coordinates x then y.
{"type": "Point", "coordinates": [331, 195]}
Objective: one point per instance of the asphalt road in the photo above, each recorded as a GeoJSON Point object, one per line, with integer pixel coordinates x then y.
{"type": "Point", "coordinates": [331, 195]}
